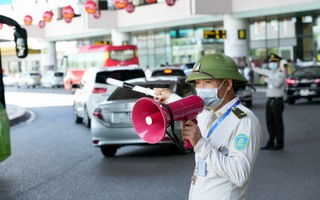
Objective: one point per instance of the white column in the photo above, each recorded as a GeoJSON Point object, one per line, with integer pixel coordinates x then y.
{"type": "Point", "coordinates": [233, 46]}
{"type": "Point", "coordinates": [118, 37]}
{"type": "Point", "coordinates": [48, 56]}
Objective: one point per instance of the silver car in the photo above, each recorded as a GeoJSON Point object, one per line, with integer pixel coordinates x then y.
{"type": "Point", "coordinates": [112, 126]}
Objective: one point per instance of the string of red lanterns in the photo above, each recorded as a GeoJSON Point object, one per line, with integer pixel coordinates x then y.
{"type": "Point", "coordinates": [130, 7]}
{"type": "Point", "coordinates": [41, 24]}
{"type": "Point", "coordinates": [91, 8]}
{"type": "Point", "coordinates": [47, 16]}
{"type": "Point", "coordinates": [170, 2]}
{"type": "Point", "coordinates": [120, 4]}
{"type": "Point", "coordinates": [27, 20]}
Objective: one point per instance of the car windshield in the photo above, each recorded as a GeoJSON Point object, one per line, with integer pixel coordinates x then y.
{"type": "Point", "coordinates": [35, 74]}
{"type": "Point", "coordinates": [121, 75]}
{"type": "Point", "coordinates": [168, 72]}
{"type": "Point", "coordinates": [189, 65]}
{"type": "Point", "coordinates": [308, 71]}
{"type": "Point", "coordinates": [59, 74]}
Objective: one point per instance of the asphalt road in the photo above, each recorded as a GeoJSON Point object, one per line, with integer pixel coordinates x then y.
{"type": "Point", "coordinates": [52, 158]}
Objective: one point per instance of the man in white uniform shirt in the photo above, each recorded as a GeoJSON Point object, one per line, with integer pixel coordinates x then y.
{"type": "Point", "coordinates": [276, 80]}
{"type": "Point", "coordinates": [228, 136]}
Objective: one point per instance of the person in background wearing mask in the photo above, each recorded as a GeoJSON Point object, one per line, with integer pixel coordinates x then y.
{"type": "Point", "coordinates": [276, 79]}
{"type": "Point", "coordinates": [228, 136]}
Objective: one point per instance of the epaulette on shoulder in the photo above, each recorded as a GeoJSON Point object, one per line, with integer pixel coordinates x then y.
{"type": "Point", "coordinates": [239, 113]}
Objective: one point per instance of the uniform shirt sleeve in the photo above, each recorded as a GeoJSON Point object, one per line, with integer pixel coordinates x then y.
{"type": "Point", "coordinates": [261, 71]}
{"type": "Point", "coordinates": [235, 165]}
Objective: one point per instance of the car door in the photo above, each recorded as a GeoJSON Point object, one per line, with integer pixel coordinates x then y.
{"type": "Point", "coordinates": [82, 93]}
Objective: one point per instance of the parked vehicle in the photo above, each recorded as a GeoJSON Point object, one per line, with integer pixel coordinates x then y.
{"type": "Point", "coordinates": [9, 80]}
{"type": "Point", "coordinates": [52, 79]}
{"type": "Point", "coordinates": [167, 71]}
{"type": "Point", "coordinates": [93, 89]}
{"type": "Point", "coordinates": [245, 92]}
{"type": "Point", "coordinates": [304, 83]}
{"type": "Point", "coordinates": [187, 68]}
{"type": "Point", "coordinates": [72, 78]}
{"type": "Point", "coordinates": [112, 127]}
{"type": "Point", "coordinates": [29, 79]}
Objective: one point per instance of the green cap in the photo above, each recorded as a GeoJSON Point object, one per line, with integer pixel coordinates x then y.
{"type": "Point", "coordinates": [273, 57]}
{"type": "Point", "coordinates": [215, 66]}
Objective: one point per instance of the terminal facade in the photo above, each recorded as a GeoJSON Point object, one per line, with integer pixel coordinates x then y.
{"type": "Point", "coordinates": [185, 31]}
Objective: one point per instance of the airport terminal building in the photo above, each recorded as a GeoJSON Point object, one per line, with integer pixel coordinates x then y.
{"type": "Point", "coordinates": [183, 31]}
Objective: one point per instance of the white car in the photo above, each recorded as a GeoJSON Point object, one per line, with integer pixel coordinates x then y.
{"type": "Point", "coordinates": [29, 79]}
{"type": "Point", "coordinates": [52, 79]}
{"type": "Point", "coordinates": [93, 89]}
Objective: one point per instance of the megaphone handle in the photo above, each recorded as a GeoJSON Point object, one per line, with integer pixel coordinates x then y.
{"type": "Point", "coordinates": [187, 144]}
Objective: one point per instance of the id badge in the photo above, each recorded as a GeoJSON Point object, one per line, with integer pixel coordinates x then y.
{"type": "Point", "coordinates": [201, 167]}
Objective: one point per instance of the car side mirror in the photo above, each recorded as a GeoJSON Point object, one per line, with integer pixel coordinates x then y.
{"type": "Point", "coordinates": [20, 38]}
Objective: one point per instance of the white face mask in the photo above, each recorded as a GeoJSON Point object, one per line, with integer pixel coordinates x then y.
{"type": "Point", "coordinates": [210, 96]}
{"type": "Point", "coordinates": [273, 65]}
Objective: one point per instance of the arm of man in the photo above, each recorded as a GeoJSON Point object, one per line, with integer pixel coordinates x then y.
{"type": "Point", "coordinates": [264, 72]}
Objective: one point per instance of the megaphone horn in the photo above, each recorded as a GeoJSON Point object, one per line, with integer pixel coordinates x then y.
{"type": "Point", "coordinates": [151, 119]}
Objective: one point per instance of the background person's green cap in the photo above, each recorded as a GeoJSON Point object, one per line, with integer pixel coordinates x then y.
{"type": "Point", "coordinates": [217, 66]}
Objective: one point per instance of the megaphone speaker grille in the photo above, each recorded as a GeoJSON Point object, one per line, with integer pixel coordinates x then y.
{"type": "Point", "coordinates": [149, 120]}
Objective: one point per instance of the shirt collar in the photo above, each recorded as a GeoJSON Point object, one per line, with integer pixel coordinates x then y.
{"type": "Point", "coordinates": [224, 108]}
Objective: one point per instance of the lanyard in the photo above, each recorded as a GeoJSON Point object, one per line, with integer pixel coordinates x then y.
{"type": "Point", "coordinates": [222, 118]}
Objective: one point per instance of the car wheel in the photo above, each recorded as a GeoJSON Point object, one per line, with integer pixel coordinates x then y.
{"type": "Point", "coordinates": [86, 118]}
{"type": "Point", "coordinates": [76, 118]}
{"type": "Point", "coordinates": [291, 100]}
{"type": "Point", "coordinates": [109, 151]}
{"type": "Point", "coordinates": [310, 99]}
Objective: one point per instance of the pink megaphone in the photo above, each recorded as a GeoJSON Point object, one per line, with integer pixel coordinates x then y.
{"type": "Point", "coordinates": [151, 119]}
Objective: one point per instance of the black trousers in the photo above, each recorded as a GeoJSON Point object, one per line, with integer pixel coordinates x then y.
{"type": "Point", "coordinates": [274, 110]}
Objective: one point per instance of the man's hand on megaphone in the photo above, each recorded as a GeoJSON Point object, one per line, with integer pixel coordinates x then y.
{"type": "Point", "coordinates": [162, 94]}
{"type": "Point", "coordinates": [191, 132]}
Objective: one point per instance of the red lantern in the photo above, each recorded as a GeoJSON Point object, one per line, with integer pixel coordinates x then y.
{"type": "Point", "coordinates": [120, 4]}
{"type": "Point", "coordinates": [97, 14]}
{"type": "Point", "coordinates": [151, 1]}
{"type": "Point", "coordinates": [130, 7]}
{"type": "Point", "coordinates": [27, 20]}
{"type": "Point", "coordinates": [47, 16]}
{"type": "Point", "coordinates": [67, 20]}
{"type": "Point", "coordinates": [170, 2]}
{"type": "Point", "coordinates": [68, 12]}
{"type": "Point", "coordinates": [41, 24]}
{"type": "Point", "coordinates": [91, 7]}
